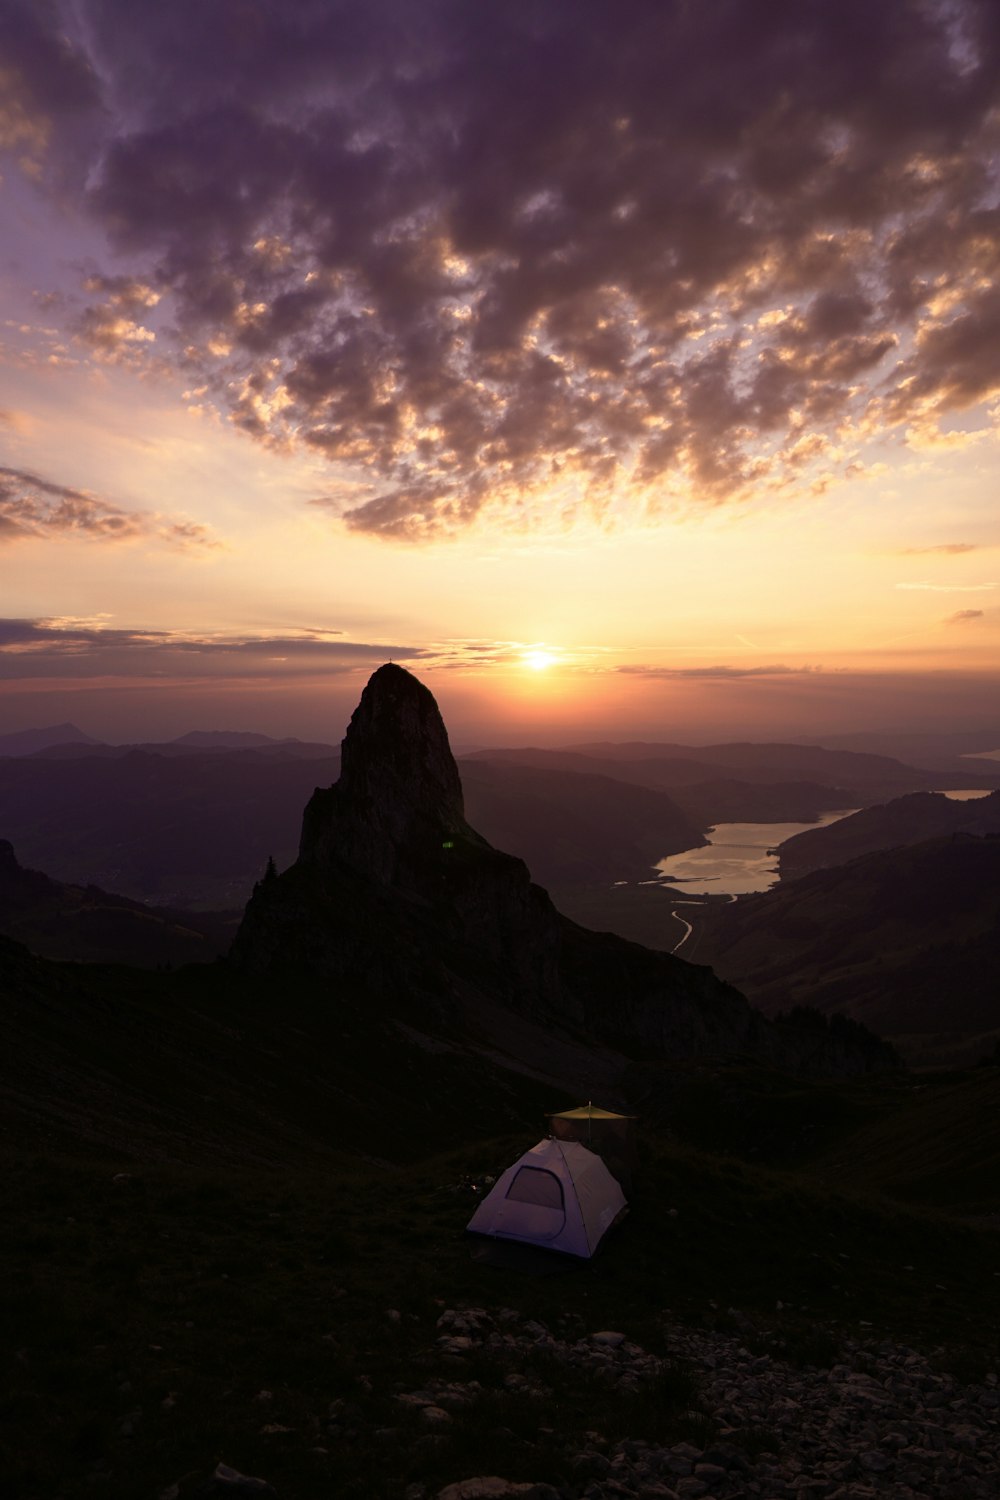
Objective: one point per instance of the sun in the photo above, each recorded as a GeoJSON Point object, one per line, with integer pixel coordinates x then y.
{"type": "Point", "coordinates": [538, 660]}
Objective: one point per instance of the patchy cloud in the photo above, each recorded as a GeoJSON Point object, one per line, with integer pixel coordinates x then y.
{"type": "Point", "coordinates": [963, 616]}
{"type": "Point", "coordinates": [33, 507]}
{"type": "Point", "coordinates": [88, 648]}
{"type": "Point", "coordinates": [522, 260]}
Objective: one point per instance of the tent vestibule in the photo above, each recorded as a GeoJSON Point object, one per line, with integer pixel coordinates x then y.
{"type": "Point", "coordinates": [601, 1130]}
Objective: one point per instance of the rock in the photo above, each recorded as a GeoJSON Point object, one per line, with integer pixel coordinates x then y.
{"type": "Point", "coordinates": [493, 1488]}
{"type": "Point", "coordinates": [227, 1481]}
{"type": "Point", "coordinates": [608, 1338]}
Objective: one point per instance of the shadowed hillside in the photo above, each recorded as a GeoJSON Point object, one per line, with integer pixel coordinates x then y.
{"type": "Point", "coordinates": [85, 923]}
{"type": "Point", "coordinates": [905, 939]}
{"type": "Point", "coordinates": [905, 820]}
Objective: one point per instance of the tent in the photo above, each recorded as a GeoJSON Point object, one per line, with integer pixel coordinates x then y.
{"type": "Point", "coordinates": [557, 1196]}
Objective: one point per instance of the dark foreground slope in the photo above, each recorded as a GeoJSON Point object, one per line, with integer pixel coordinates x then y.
{"type": "Point", "coordinates": [394, 892]}
{"type": "Point", "coordinates": [290, 1320]}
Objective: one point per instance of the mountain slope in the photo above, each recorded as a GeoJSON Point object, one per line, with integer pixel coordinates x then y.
{"type": "Point", "coordinates": [904, 820]}
{"type": "Point", "coordinates": [87, 924]}
{"type": "Point", "coordinates": [904, 939]}
{"type": "Point", "coordinates": [572, 827]}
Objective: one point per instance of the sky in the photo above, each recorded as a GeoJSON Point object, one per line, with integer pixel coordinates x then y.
{"type": "Point", "coordinates": [625, 370]}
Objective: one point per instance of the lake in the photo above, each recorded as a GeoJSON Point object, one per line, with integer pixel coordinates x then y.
{"type": "Point", "coordinates": [736, 861]}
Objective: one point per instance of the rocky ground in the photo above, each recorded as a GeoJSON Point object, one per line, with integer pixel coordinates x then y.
{"type": "Point", "coordinates": [880, 1420]}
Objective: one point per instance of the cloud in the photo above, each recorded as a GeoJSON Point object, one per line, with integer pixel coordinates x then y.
{"type": "Point", "coordinates": [89, 648]}
{"type": "Point", "coordinates": [33, 507]}
{"type": "Point", "coordinates": [724, 673]}
{"type": "Point", "coordinates": [520, 261]}
{"type": "Point", "coordinates": [963, 616]}
{"type": "Point", "coordinates": [949, 588]}
{"type": "Point", "coordinates": [949, 549]}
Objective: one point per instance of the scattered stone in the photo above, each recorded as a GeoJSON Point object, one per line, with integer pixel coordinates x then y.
{"type": "Point", "coordinates": [878, 1424]}
{"type": "Point", "coordinates": [493, 1488]}
{"type": "Point", "coordinates": [227, 1481]}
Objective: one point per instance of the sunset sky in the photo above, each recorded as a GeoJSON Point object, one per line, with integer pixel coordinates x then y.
{"type": "Point", "coordinates": [625, 369]}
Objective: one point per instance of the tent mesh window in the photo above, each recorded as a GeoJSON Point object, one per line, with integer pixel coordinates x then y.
{"type": "Point", "coordinates": [534, 1185]}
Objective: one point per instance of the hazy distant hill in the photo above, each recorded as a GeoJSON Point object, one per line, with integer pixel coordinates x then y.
{"type": "Point", "coordinates": [947, 749]}
{"type": "Point", "coordinates": [225, 739]}
{"type": "Point", "coordinates": [27, 741]}
{"type": "Point", "coordinates": [182, 826]}
{"type": "Point", "coordinates": [190, 829]}
{"type": "Point", "coordinates": [905, 820]}
{"type": "Point", "coordinates": [731, 801]}
{"type": "Point", "coordinates": [574, 827]}
{"type": "Point", "coordinates": [86, 924]}
{"type": "Point", "coordinates": [868, 778]}
{"type": "Point", "coordinates": [904, 939]}
{"type": "Point", "coordinates": [262, 746]}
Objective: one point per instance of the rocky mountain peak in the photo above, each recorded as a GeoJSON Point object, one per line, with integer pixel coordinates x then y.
{"type": "Point", "coordinates": [397, 742]}
{"type": "Point", "coordinates": [399, 797]}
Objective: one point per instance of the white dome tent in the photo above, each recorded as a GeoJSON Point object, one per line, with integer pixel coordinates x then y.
{"type": "Point", "coordinates": [557, 1196]}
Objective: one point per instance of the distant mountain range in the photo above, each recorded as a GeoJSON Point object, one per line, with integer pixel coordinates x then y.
{"type": "Point", "coordinates": [668, 766]}
{"type": "Point", "coordinates": [191, 822]}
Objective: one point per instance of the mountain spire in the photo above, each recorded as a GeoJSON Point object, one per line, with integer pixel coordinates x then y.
{"type": "Point", "coordinates": [399, 797]}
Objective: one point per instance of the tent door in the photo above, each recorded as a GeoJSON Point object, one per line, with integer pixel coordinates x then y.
{"type": "Point", "coordinates": [534, 1207]}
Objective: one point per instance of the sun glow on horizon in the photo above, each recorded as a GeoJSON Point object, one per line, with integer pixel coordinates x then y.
{"type": "Point", "coordinates": [538, 660]}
